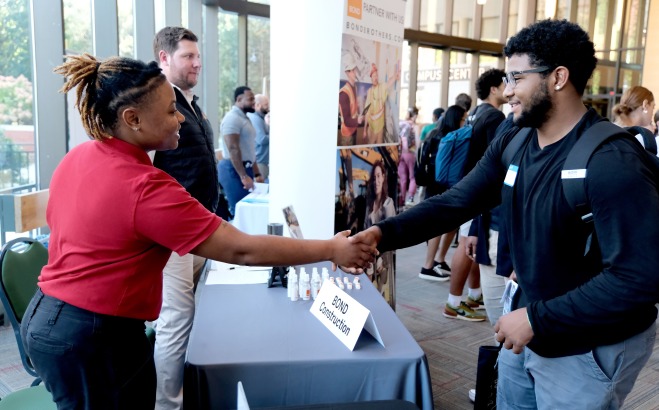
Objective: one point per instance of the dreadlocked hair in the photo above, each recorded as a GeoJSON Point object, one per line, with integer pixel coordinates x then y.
{"type": "Point", "coordinates": [103, 88]}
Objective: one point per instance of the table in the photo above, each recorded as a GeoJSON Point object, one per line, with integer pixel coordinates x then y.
{"type": "Point", "coordinates": [285, 357]}
{"type": "Point", "coordinates": [251, 214]}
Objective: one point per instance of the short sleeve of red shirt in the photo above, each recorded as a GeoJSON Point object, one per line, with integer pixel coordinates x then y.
{"type": "Point", "coordinates": [168, 215]}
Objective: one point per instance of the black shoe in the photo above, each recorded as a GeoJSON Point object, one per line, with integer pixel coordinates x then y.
{"type": "Point", "coordinates": [430, 274]}
{"type": "Point", "coordinates": [442, 267]}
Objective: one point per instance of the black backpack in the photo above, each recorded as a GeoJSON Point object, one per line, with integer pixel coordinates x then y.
{"type": "Point", "coordinates": [649, 142]}
{"type": "Point", "coordinates": [573, 173]}
{"type": "Point", "coordinates": [424, 166]}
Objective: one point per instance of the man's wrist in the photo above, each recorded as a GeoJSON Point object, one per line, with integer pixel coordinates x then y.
{"type": "Point", "coordinates": [244, 177]}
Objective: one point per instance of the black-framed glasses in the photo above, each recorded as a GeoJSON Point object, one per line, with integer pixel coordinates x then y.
{"type": "Point", "coordinates": [510, 78]}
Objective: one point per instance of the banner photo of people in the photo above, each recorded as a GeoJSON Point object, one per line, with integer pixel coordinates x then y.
{"type": "Point", "coordinates": [365, 191]}
{"type": "Point", "coordinates": [368, 136]}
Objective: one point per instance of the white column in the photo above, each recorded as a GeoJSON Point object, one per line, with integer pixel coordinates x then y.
{"type": "Point", "coordinates": [305, 50]}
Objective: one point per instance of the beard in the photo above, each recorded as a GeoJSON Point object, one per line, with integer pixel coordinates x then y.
{"type": "Point", "coordinates": [248, 109]}
{"type": "Point", "coordinates": [538, 111]}
{"type": "Point", "coordinates": [264, 112]}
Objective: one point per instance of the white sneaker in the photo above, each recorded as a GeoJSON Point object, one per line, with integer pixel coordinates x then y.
{"type": "Point", "coordinates": [472, 395]}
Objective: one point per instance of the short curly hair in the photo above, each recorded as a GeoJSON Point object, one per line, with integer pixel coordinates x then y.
{"type": "Point", "coordinates": [554, 43]}
{"type": "Point", "coordinates": [491, 78]}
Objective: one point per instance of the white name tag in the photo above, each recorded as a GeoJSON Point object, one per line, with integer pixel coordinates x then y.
{"type": "Point", "coordinates": [573, 174]}
{"type": "Point", "coordinates": [511, 175]}
{"type": "Point", "coordinates": [343, 315]}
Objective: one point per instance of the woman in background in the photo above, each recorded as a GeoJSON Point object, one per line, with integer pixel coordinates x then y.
{"type": "Point", "coordinates": [379, 206]}
{"type": "Point", "coordinates": [408, 142]}
{"type": "Point", "coordinates": [114, 221]}
{"type": "Point", "coordinates": [634, 113]}
{"type": "Point", "coordinates": [435, 267]}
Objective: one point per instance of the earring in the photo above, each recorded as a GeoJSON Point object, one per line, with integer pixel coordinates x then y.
{"type": "Point", "coordinates": [645, 111]}
{"type": "Point", "coordinates": [136, 128]}
{"type": "Point", "coordinates": [557, 88]}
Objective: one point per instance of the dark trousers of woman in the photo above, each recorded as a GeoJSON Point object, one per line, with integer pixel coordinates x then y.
{"type": "Point", "coordinates": [88, 360]}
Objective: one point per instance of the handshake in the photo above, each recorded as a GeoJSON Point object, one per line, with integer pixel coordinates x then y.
{"type": "Point", "coordinates": [354, 254]}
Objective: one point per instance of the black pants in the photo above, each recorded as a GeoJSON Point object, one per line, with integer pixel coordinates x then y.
{"type": "Point", "coordinates": [88, 360]}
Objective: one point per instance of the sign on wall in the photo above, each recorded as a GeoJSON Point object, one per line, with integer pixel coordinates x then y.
{"type": "Point", "coordinates": [368, 124]}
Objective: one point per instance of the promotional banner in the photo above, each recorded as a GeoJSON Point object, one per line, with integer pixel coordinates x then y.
{"type": "Point", "coordinates": [368, 125]}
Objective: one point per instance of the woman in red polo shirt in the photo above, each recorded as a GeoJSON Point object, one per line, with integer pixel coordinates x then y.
{"type": "Point", "coordinates": [115, 220]}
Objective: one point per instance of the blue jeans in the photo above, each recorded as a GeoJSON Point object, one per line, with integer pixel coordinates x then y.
{"type": "Point", "coordinates": [599, 379]}
{"type": "Point", "coordinates": [88, 360]}
{"type": "Point", "coordinates": [231, 183]}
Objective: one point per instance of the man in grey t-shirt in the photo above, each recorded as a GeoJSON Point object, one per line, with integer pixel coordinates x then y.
{"type": "Point", "coordinates": [238, 170]}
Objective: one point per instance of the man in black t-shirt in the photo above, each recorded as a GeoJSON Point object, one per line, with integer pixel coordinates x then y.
{"type": "Point", "coordinates": [583, 319]}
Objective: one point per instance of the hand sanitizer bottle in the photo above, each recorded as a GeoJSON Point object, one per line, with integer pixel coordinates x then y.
{"type": "Point", "coordinates": [315, 283]}
{"type": "Point", "coordinates": [305, 287]}
{"type": "Point", "coordinates": [293, 286]}
{"type": "Point", "coordinates": [325, 276]}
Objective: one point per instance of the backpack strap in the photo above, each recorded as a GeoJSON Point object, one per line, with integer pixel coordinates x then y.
{"type": "Point", "coordinates": [649, 142]}
{"type": "Point", "coordinates": [573, 174]}
{"type": "Point", "coordinates": [514, 145]}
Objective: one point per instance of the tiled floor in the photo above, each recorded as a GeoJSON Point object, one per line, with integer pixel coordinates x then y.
{"type": "Point", "coordinates": [450, 345]}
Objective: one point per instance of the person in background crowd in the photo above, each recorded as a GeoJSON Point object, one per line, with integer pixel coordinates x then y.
{"type": "Point", "coordinates": [437, 113]}
{"type": "Point", "coordinates": [193, 165]}
{"type": "Point", "coordinates": [435, 267]}
{"type": "Point", "coordinates": [485, 119]}
{"type": "Point", "coordinates": [114, 220]}
{"type": "Point", "coordinates": [238, 170]}
{"type": "Point", "coordinates": [634, 113]}
{"type": "Point", "coordinates": [583, 319]}
{"type": "Point", "coordinates": [408, 140]}
{"type": "Point", "coordinates": [635, 108]}
{"type": "Point", "coordinates": [463, 100]}
{"type": "Point", "coordinates": [260, 119]}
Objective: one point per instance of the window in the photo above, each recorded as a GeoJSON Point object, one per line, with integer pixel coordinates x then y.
{"type": "Point", "coordinates": [126, 29]}
{"type": "Point", "coordinates": [258, 54]}
{"type": "Point", "coordinates": [463, 18]}
{"type": "Point", "coordinates": [634, 33]}
{"type": "Point", "coordinates": [428, 83]}
{"type": "Point", "coordinates": [583, 14]}
{"type": "Point", "coordinates": [513, 17]}
{"type": "Point", "coordinates": [228, 55]}
{"type": "Point", "coordinates": [77, 26]}
{"type": "Point", "coordinates": [460, 76]}
{"type": "Point", "coordinates": [491, 24]}
{"type": "Point", "coordinates": [433, 14]}
{"type": "Point", "coordinates": [77, 40]}
{"type": "Point", "coordinates": [17, 140]}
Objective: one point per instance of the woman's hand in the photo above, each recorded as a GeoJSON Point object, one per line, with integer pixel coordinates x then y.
{"type": "Point", "coordinates": [353, 256]}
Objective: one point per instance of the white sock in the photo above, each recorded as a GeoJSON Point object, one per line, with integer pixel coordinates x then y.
{"type": "Point", "coordinates": [454, 300]}
{"type": "Point", "coordinates": [475, 293]}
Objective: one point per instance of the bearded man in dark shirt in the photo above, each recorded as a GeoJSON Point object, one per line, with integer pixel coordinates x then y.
{"type": "Point", "coordinates": [582, 324]}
